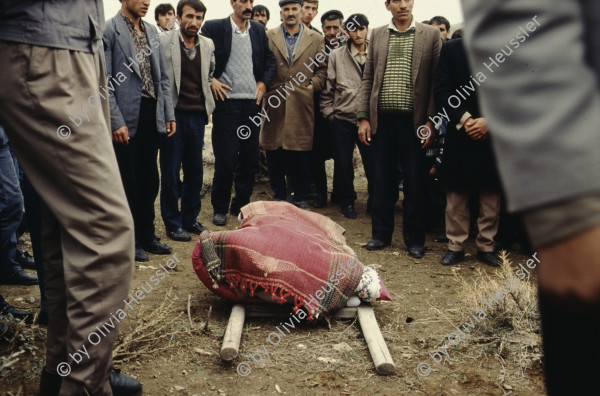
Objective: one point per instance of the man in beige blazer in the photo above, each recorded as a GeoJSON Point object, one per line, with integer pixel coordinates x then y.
{"type": "Point", "coordinates": [395, 101]}
{"type": "Point", "coordinates": [287, 131]}
{"type": "Point", "coordinates": [190, 62]}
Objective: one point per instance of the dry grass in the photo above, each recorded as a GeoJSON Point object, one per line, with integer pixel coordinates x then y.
{"type": "Point", "coordinates": [155, 330]}
{"type": "Point", "coordinates": [511, 329]}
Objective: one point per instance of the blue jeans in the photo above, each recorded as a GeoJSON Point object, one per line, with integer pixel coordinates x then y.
{"type": "Point", "coordinates": [182, 150]}
{"type": "Point", "coordinates": [11, 208]}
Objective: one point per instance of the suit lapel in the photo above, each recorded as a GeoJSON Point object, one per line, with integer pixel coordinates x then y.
{"type": "Point", "coordinates": [382, 48]}
{"type": "Point", "coordinates": [277, 36]}
{"type": "Point", "coordinates": [126, 41]}
{"type": "Point", "coordinates": [176, 59]}
{"type": "Point", "coordinates": [417, 51]}
{"type": "Point", "coordinates": [303, 45]}
{"type": "Point", "coordinates": [205, 59]}
{"type": "Point", "coordinates": [227, 38]}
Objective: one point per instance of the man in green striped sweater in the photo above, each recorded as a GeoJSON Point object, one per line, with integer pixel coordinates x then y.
{"type": "Point", "coordinates": [395, 103]}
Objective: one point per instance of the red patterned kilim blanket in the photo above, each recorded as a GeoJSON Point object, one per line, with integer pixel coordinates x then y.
{"type": "Point", "coordinates": [288, 253]}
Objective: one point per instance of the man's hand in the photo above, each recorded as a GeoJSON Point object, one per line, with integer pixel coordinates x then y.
{"type": "Point", "coordinates": [433, 172]}
{"type": "Point", "coordinates": [364, 132]}
{"type": "Point", "coordinates": [171, 127]}
{"type": "Point", "coordinates": [218, 89]}
{"type": "Point", "coordinates": [121, 135]}
{"type": "Point", "coordinates": [426, 134]}
{"type": "Point", "coordinates": [261, 89]}
{"type": "Point", "coordinates": [311, 87]}
{"type": "Point", "coordinates": [476, 128]}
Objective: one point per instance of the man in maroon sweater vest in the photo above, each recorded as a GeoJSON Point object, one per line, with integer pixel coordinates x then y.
{"type": "Point", "coordinates": [189, 60]}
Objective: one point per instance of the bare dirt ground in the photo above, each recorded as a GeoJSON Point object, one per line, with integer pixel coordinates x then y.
{"type": "Point", "coordinates": [169, 355]}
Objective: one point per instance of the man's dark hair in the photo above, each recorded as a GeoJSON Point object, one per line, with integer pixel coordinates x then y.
{"type": "Point", "coordinates": [162, 9]}
{"type": "Point", "coordinates": [195, 4]}
{"type": "Point", "coordinates": [332, 15]}
{"type": "Point", "coordinates": [360, 18]}
{"type": "Point", "coordinates": [260, 9]}
{"type": "Point", "coordinates": [457, 34]}
{"type": "Point", "coordinates": [440, 20]}
{"type": "Point", "coordinates": [310, 1]}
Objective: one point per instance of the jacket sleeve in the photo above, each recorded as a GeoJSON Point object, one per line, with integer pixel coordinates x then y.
{"type": "Point", "coordinates": [328, 93]}
{"type": "Point", "coordinates": [116, 117]}
{"type": "Point", "coordinates": [165, 87]}
{"type": "Point", "coordinates": [366, 86]}
{"type": "Point", "coordinates": [320, 75]}
{"type": "Point", "coordinates": [211, 69]}
{"type": "Point", "coordinates": [445, 86]}
{"type": "Point", "coordinates": [270, 64]}
{"type": "Point", "coordinates": [435, 56]}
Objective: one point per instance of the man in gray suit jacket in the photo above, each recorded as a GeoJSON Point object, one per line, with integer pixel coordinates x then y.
{"type": "Point", "coordinates": [190, 62]}
{"type": "Point", "coordinates": [140, 108]}
{"type": "Point", "coordinates": [395, 101]}
{"type": "Point", "coordinates": [542, 102]}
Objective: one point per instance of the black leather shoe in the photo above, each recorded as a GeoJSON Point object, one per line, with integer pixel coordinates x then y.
{"type": "Point", "coordinates": [19, 278]}
{"type": "Point", "coordinates": [302, 205]}
{"type": "Point", "coordinates": [349, 212]}
{"type": "Point", "coordinates": [320, 201]}
{"type": "Point", "coordinates": [24, 259]}
{"type": "Point", "coordinates": [158, 248]}
{"type": "Point", "coordinates": [179, 235]}
{"type": "Point", "coordinates": [219, 219]}
{"type": "Point", "coordinates": [416, 251]}
{"type": "Point", "coordinates": [141, 255]}
{"type": "Point", "coordinates": [3, 329]}
{"type": "Point", "coordinates": [489, 258]}
{"type": "Point", "coordinates": [452, 257]}
{"type": "Point", "coordinates": [124, 385]}
{"type": "Point", "coordinates": [120, 384]}
{"type": "Point", "coordinates": [196, 228]}
{"type": "Point", "coordinates": [376, 244]}
{"type": "Point", "coordinates": [6, 309]}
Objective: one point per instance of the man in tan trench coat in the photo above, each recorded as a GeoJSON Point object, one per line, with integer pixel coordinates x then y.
{"type": "Point", "coordinates": [288, 107]}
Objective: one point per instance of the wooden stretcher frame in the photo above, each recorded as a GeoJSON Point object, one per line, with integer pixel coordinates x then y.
{"type": "Point", "coordinates": [384, 364]}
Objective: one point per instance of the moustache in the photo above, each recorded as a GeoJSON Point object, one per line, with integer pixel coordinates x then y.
{"type": "Point", "coordinates": [247, 12]}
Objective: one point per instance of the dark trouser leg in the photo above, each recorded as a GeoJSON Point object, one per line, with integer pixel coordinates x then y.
{"type": "Point", "coordinates": [344, 135]}
{"type": "Point", "coordinates": [35, 207]}
{"type": "Point", "coordinates": [226, 145]}
{"type": "Point", "coordinates": [276, 162]}
{"type": "Point", "coordinates": [11, 210]}
{"type": "Point", "coordinates": [366, 154]}
{"type": "Point", "coordinates": [412, 159]}
{"type": "Point", "coordinates": [193, 172]}
{"type": "Point", "coordinates": [385, 187]}
{"type": "Point", "coordinates": [570, 355]}
{"type": "Point", "coordinates": [319, 153]}
{"type": "Point", "coordinates": [249, 156]}
{"type": "Point", "coordinates": [298, 165]}
{"type": "Point", "coordinates": [171, 157]}
{"type": "Point", "coordinates": [147, 171]}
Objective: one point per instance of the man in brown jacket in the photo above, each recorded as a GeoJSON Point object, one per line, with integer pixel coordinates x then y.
{"type": "Point", "coordinates": [288, 106]}
{"type": "Point", "coordinates": [339, 105]}
{"type": "Point", "coordinates": [395, 100]}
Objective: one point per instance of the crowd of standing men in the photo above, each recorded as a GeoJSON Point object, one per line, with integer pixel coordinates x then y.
{"type": "Point", "coordinates": [302, 95]}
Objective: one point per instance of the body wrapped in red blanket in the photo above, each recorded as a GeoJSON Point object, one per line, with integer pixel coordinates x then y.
{"type": "Point", "coordinates": [290, 254]}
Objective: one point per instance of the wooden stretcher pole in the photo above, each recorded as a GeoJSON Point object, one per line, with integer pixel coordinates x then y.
{"type": "Point", "coordinates": [379, 352]}
{"type": "Point", "coordinates": [233, 333]}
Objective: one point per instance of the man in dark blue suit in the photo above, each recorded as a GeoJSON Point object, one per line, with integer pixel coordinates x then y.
{"type": "Point", "coordinates": [140, 108]}
{"type": "Point", "coordinates": [244, 69]}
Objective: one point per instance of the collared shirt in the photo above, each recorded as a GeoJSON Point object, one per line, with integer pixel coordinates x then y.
{"type": "Point", "coordinates": [140, 43]}
{"type": "Point", "coordinates": [359, 57]}
{"type": "Point", "coordinates": [237, 30]}
{"type": "Point", "coordinates": [391, 26]}
{"type": "Point", "coordinates": [291, 41]}
{"type": "Point", "coordinates": [191, 53]}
